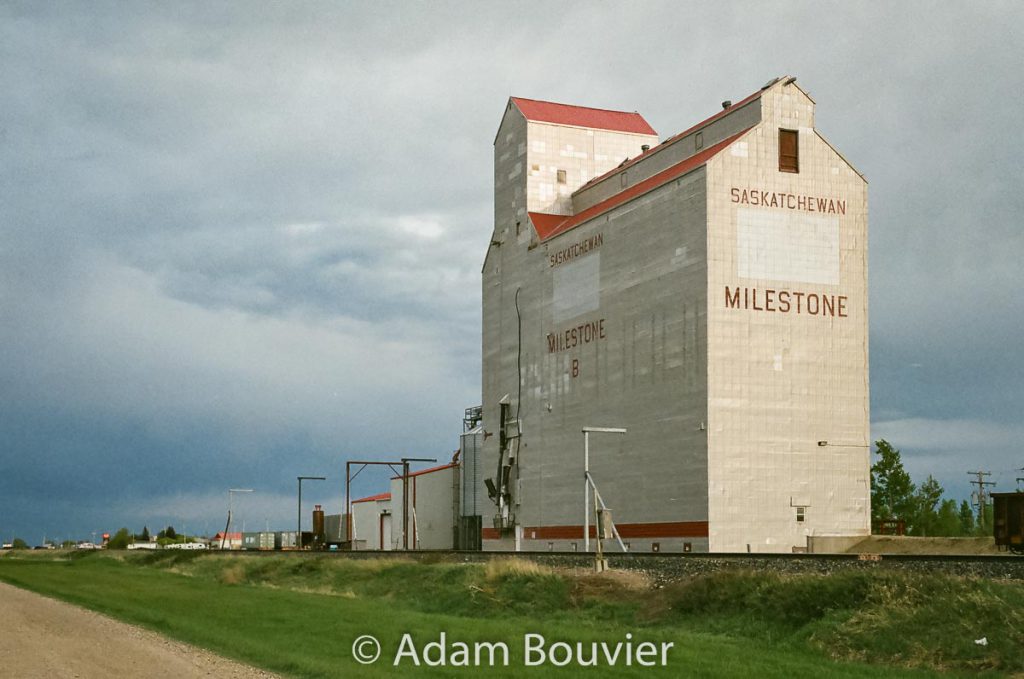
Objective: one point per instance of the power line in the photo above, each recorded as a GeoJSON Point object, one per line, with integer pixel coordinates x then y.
{"type": "Point", "coordinates": [981, 495]}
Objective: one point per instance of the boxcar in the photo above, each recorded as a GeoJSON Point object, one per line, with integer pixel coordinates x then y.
{"type": "Point", "coordinates": [1008, 521]}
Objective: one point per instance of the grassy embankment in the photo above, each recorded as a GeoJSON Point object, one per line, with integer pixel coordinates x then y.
{"type": "Point", "coordinates": [299, 616]}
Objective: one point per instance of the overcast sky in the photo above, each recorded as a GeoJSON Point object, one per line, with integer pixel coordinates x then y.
{"type": "Point", "coordinates": [241, 244]}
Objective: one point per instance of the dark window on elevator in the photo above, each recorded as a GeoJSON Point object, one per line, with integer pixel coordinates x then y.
{"type": "Point", "coordinates": [698, 141]}
{"type": "Point", "coordinates": [789, 151]}
{"type": "Point", "coordinates": [560, 176]}
{"type": "Point", "coordinates": [800, 514]}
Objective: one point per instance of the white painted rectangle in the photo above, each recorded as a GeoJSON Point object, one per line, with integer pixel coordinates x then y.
{"type": "Point", "coordinates": [787, 246]}
{"type": "Point", "coordinates": [577, 287]}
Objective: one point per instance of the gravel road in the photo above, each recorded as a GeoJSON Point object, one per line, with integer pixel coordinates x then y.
{"type": "Point", "coordinates": [41, 637]}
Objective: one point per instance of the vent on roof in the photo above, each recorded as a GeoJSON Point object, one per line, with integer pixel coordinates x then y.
{"type": "Point", "coordinates": [727, 103]}
{"type": "Point", "coordinates": [769, 83]}
{"type": "Point", "coordinates": [624, 162]}
{"type": "Point", "coordinates": [645, 147]}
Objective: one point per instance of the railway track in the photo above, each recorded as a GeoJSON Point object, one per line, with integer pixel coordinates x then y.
{"type": "Point", "coordinates": [619, 557]}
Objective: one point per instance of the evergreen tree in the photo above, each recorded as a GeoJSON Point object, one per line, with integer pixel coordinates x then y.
{"type": "Point", "coordinates": [892, 492]}
{"type": "Point", "coordinates": [985, 519]}
{"type": "Point", "coordinates": [966, 519]}
{"type": "Point", "coordinates": [145, 534]}
{"type": "Point", "coordinates": [947, 520]}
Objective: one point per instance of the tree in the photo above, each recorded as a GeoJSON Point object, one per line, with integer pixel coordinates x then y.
{"type": "Point", "coordinates": [18, 543]}
{"type": "Point", "coordinates": [947, 522]}
{"type": "Point", "coordinates": [145, 534]}
{"type": "Point", "coordinates": [985, 520]}
{"type": "Point", "coordinates": [926, 500]}
{"type": "Point", "coordinates": [892, 492]}
{"type": "Point", "coordinates": [120, 540]}
{"type": "Point", "coordinates": [966, 519]}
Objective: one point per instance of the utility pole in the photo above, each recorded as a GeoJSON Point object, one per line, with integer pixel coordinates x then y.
{"type": "Point", "coordinates": [227, 527]}
{"type": "Point", "coordinates": [981, 494]}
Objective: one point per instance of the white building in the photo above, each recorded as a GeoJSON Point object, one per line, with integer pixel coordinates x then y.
{"type": "Point", "coordinates": [707, 293]}
{"type": "Point", "coordinates": [431, 518]}
{"type": "Point", "coordinates": [371, 522]}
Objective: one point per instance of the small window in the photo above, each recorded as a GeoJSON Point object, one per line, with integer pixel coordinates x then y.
{"type": "Point", "coordinates": [560, 176]}
{"type": "Point", "coordinates": [699, 141]}
{"type": "Point", "coordinates": [687, 546]}
{"type": "Point", "coordinates": [789, 151]}
{"type": "Point", "coordinates": [655, 546]}
{"type": "Point", "coordinates": [623, 180]}
{"type": "Point", "coordinates": [800, 514]}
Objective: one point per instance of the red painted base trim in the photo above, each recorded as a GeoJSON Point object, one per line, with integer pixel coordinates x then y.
{"type": "Point", "coordinates": [669, 529]}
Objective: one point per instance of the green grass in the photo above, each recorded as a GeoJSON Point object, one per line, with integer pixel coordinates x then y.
{"type": "Point", "coordinates": [298, 615]}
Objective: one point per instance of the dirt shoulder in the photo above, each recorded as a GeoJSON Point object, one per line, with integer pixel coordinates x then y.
{"type": "Point", "coordinates": [41, 637]}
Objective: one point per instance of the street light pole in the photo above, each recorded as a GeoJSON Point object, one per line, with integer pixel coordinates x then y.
{"type": "Point", "coordinates": [586, 476]}
{"type": "Point", "coordinates": [227, 527]}
{"type": "Point", "coordinates": [298, 536]}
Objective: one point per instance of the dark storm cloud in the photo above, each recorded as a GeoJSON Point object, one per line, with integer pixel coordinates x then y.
{"type": "Point", "coordinates": [239, 243]}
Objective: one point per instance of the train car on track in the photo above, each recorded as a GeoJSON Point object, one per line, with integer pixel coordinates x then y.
{"type": "Point", "coordinates": [1008, 523]}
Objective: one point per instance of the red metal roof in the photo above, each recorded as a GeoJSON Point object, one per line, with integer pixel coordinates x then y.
{"type": "Point", "coordinates": [430, 470]}
{"type": "Point", "coordinates": [373, 498]}
{"type": "Point", "coordinates": [583, 116]}
{"type": "Point", "coordinates": [231, 536]}
{"type": "Point", "coordinates": [671, 140]}
{"type": "Point", "coordinates": [548, 226]}
{"type": "Point", "coordinates": [546, 223]}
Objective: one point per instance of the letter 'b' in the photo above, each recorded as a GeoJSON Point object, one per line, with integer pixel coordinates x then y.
{"type": "Point", "coordinates": [533, 650]}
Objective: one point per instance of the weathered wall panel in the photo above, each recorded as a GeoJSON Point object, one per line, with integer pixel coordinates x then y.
{"type": "Point", "coordinates": [788, 361]}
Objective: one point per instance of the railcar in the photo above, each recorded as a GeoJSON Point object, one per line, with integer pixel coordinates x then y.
{"type": "Point", "coordinates": [1008, 521]}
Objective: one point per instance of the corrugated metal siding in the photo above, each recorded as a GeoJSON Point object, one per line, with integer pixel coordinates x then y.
{"type": "Point", "coordinates": [473, 499]}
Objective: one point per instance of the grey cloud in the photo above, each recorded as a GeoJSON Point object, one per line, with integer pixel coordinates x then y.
{"type": "Point", "coordinates": [239, 240]}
